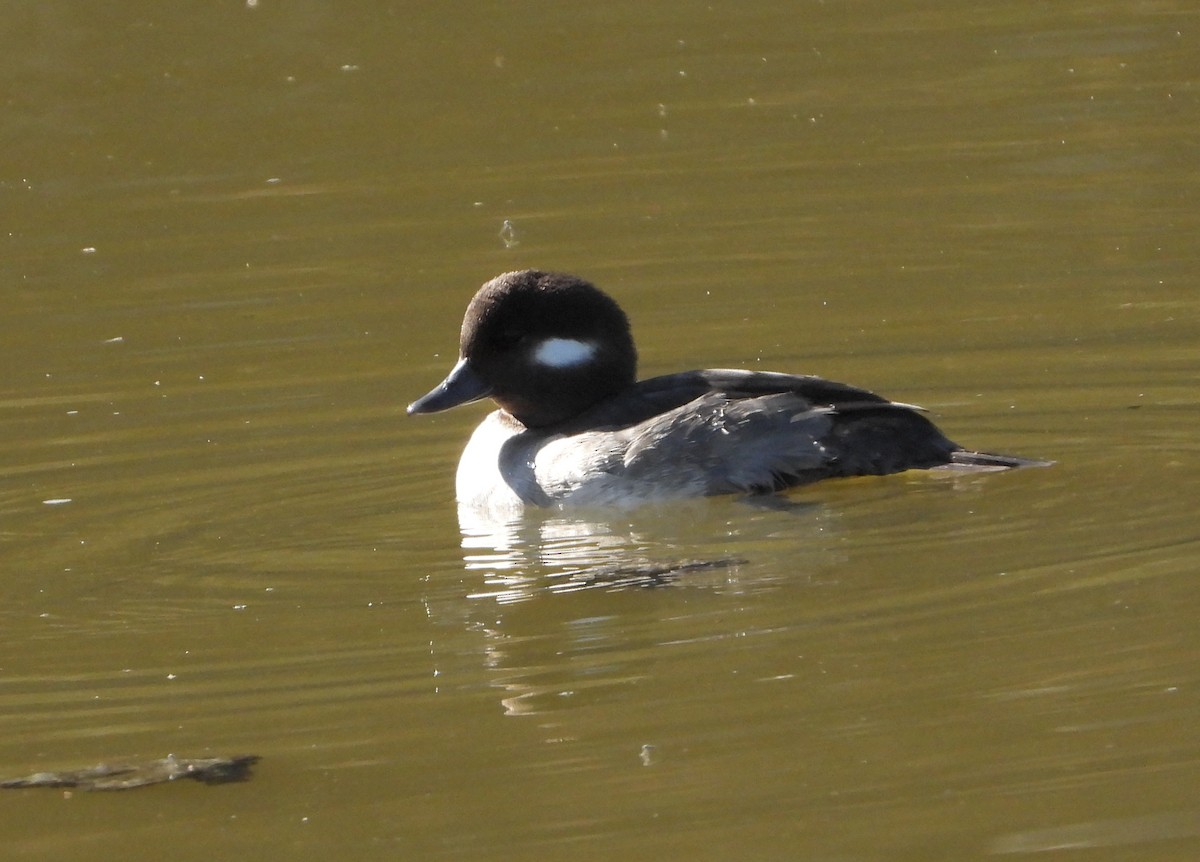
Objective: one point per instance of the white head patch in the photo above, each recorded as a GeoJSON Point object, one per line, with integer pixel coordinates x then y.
{"type": "Point", "coordinates": [563, 352]}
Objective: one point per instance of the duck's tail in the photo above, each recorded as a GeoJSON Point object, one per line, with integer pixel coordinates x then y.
{"type": "Point", "coordinates": [962, 459]}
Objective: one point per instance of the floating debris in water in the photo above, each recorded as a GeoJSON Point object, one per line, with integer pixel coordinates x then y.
{"type": "Point", "coordinates": [126, 776]}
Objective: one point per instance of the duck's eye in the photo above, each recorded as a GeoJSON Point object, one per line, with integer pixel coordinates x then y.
{"type": "Point", "coordinates": [507, 339]}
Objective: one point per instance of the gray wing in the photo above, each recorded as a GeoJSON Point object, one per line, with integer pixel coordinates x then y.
{"type": "Point", "coordinates": [733, 445]}
{"type": "Point", "coordinates": [724, 431]}
{"type": "Point", "coordinates": [770, 442]}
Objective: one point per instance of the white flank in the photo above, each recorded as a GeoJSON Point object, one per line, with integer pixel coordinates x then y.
{"type": "Point", "coordinates": [564, 352]}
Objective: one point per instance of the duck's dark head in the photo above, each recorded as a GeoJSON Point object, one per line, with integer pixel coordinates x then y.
{"type": "Point", "coordinates": [544, 346]}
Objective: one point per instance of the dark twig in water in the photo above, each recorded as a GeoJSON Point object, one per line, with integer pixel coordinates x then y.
{"type": "Point", "coordinates": [126, 776]}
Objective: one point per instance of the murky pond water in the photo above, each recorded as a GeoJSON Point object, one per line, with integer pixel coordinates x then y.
{"type": "Point", "coordinates": [238, 241]}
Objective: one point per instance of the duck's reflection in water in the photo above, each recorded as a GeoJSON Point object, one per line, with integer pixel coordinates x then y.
{"type": "Point", "coordinates": [544, 655]}
{"type": "Point", "coordinates": [708, 543]}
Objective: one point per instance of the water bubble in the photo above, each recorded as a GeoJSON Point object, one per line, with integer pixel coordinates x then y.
{"type": "Point", "coordinates": [508, 234]}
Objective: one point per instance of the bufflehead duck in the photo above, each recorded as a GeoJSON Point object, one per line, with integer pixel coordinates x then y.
{"type": "Point", "coordinates": [576, 427]}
